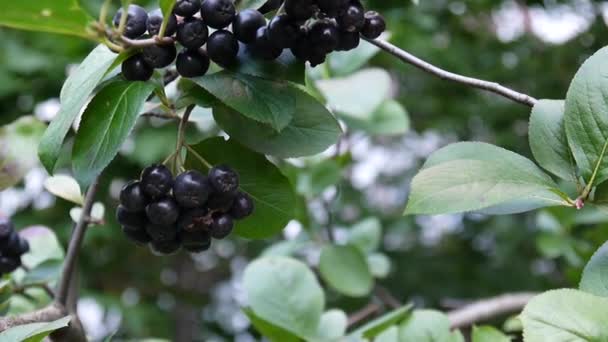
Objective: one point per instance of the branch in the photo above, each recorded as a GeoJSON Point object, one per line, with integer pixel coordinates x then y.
{"type": "Point", "coordinates": [486, 309]}
{"type": "Point", "coordinates": [142, 43]}
{"type": "Point", "coordinates": [47, 314]}
{"type": "Point", "coordinates": [363, 314]}
{"type": "Point", "coordinates": [71, 258]}
{"type": "Point", "coordinates": [450, 76]}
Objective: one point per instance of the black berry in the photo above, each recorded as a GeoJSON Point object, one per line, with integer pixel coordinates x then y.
{"type": "Point", "coordinates": [222, 47]}
{"type": "Point", "coordinates": [262, 47]}
{"type": "Point", "coordinates": [218, 13]}
{"type": "Point", "coordinates": [222, 226]}
{"type": "Point", "coordinates": [130, 219]}
{"type": "Point", "coordinates": [324, 35]}
{"type": "Point", "coordinates": [299, 9]}
{"type": "Point", "coordinates": [224, 179]}
{"type": "Point", "coordinates": [192, 63]}
{"type": "Point", "coordinates": [316, 56]}
{"type": "Point", "coordinates": [192, 33]}
{"type": "Point", "coordinates": [11, 247]}
{"type": "Point", "coordinates": [136, 69]}
{"type": "Point", "coordinates": [374, 25]}
{"type": "Point", "coordinates": [194, 220]}
{"type": "Point", "coordinates": [163, 212]}
{"type": "Point", "coordinates": [156, 181]}
{"type": "Point", "coordinates": [242, 206]}
{"type": "Point", "coordinates": [132, 197]}
{"type": "Point", "coordinates": [282, 32]}
{"type": "Point", "coordinates": [301, 48]}
{"type": "Point", "coordinates": [24, 246]}
{"type": "Point", "coordinates": [246, 24]}
{"type": "Point", "coordinates": [186, 8]}
{"type": "Point", "coordinates": [6, 228]}
{"type": "Point", "coordinates": [138, 236]}
{"type": "Point", "coordinates": [159, 56]}
{"type": "Point", "coordinates": [9, 264]}
{"type": "Point", "coordinates": [348, 41]}
{"type": "Point", "coordinates": [161, 232]}
{"type": "Point", "coordinates": [191, 189]}
{"type": "Point", "coordinates": [165, 247]}
{"type": "Point", "coordinates": [155, 21]}
{"type": "Point", "coordinates": [136, 21]}
{"type": "Point", "coordinates": [352, 19]}
{"type": "Point", "coordinates": [195, 242]}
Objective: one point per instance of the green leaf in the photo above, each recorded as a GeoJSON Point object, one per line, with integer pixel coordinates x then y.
{"type": "Point", "coordinates": [285, 292]}
{"type": "Point", "coordinates": [312, 130]}
{"type": "Point", "coordinates": [286, 67]}
{"type": "Point", "coordinates": [366, 235]}
{"type": "Point", "coordinates": [18, 148]}
{"type": "Point", "coordinates": [389, 335]}
{"type": "Point", "coordinates": [312, 181]}
{"type": "Point", "coordinates": [345, 269]}
{"type": "Point", "coordinates": [255, 4]}
{"type": "Point", "coordinates": [358, 95]}
{"type": "Point", "coordinates": [262, 100]}
{"type": "Point", "coordinates": [566, 315]}
{"type": "Point", "coordinates": [380, 324]}
{"type": "Point", "coordinates": [166, 6]}
{"type": "Point", "coordinates": [344, 63]}
{"type": "Point", "coordinates": [379, 265]}
{"type": "Point", "coordinates": [388, 119]}
{"type": "Point", "coordinates": [270, 189]}
{"type": "Point", "coordinates": [427, 326]}
{"type": "Point", "coordinates": [332, 326]}
{"type": "Point", "coordinates": [74, 94]}
{"type": "Point", "coordinates": [106, 123]}
{"type": "Point", "coordinates": [46, 272]}
{"type": "Point", "coordinates": [65, 187]}
{"type": "Point", "coordinates": [33, 332]}
{"type": "Point", "coordinates": [548, 139]}
{"type": "Point", "coordinates": [43, 246]}
{"type": "Point", "coordinates": [56, 16]}
{"type": "Point", "coordinates": [585, 118]}
{"type": "Point", "coordinates": [488, 334]}
{"type": "Point", "coordinates": [595, 275]}
{"type": "Point", "coordinates": [473, 176]}
{"type": "Point", "coordinates": [271, 332]}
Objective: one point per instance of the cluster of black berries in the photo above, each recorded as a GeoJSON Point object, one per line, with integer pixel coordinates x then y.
{"type": "Point", "coordinates": [310, 28]}
{"type": "Point", "coordinates": [186, 212]}
{"type": "Point", "coordinates": [12, 247]}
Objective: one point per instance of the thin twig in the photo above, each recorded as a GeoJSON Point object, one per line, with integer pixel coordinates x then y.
{"type": "Point", "coordinates": [47, 314]}
{"type": "Point", "coordinates": [142, 43]}
{"type": "Point", "coordinates": [363, 314]}
{"type": "Point", "coordinates": [450, 76]}
{"type": "Point", "coordinates": [387, 297]}
{"type": "Point", "coordinates": [163, 116]}
{"type": "Point", "coordinates": [489, 308]}
{"type": "Point", "coordinates": [75, 243]}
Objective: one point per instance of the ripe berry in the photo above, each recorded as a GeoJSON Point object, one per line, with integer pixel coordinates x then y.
{"type": "Point", "coordinates": [191, 189]}
{"type": "Point", "coordinates": [222, 226]}
{"type": "Point", "coordinates": [331, 7]}
{"type": "Point", "coordinates": [9, 264]}
{"type": "Point", "coordinates": [194, 220]}
{"type": "Point", "coordinates": [282, 32]}
{"type": "Point", "coordinates": [224, 179]}
{"type": "Point", "coordinates": [299, 9]}
{"type": "Point", "coordinates": [352, 19]}
{"type": "Point", "coordinates": [164, 212]}
{"type": "Point", "coordinates": [262, 47]}
{"type": "Point", "coordinates": [316, 56]}
{"type": "Point", "coordinates": [132, 197]}
{"type": "Point", "coordinates": [246, 24]}
{"type": "Point", "coordinates": [222, 47]}
{"type": "Point", "coordinates": [161, 232]}
{"type": "Point", "coordinates": [348, 41]}
{"type": "Point", "coordinates": [192, 33]}
{"type": "Point", "coordinates": [242, 207]}
{"type": "Point", "coordinates": [192, 63]}
{"type": "Point", "coordinates": [156, 181]}
{"type": "Point", "coordinates": [301, 48]}
{"type": "Point", "coordinates": [187, 8]}
{"type": "Point", "coordinates": [164, 247]}
{"type": "Point", "coordinates": [136, 69]}
{"type": "Point", "coordinates": [221, 202]}
{"type": "Point", "coordinates": [24, 246]}
{"type": "Point", "coordinates": [195, 242]}
{"type": "Point", "coordinates": [136, 21]}
{"type": "Point", "coordinates": [159, 56]}
{"type": "Point", "coordinates": [6, 228]}
{"type": "Point", "coordinates": [155, 21]}
{"type": "Point", "coordinates": [324, 35]}
{"type": "Point", "coordinates": [130, 219]}
{"type": "Point", "coordinates": [11, 247]}
{"type": "Point", "coordinates": [374, 25]}
{"type": "Point", "coordinates": [218, 13]}
{"type": "Point", "coordinates": [137, 236]}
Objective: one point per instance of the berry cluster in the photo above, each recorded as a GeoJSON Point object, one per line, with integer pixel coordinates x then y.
{"type": "Point", "coordinates": [310, 28]}
{"type": "Point", "coordinates": [186, 212]}
{"type": "Point", "coordinates": [12, 247]}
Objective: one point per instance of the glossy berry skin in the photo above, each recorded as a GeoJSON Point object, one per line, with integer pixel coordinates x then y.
{"type": "Point", "coordinates": [12, 246]}
{"type": "Point", "coordinates": [135, 68]}
{"type": "Point", "coordinates": [222, 47]}
{"type": "Point", "coordinates": [194, 220]}
{"type": "Point", "coordinates": [222, 226]}
{"type": "Point", "coordinates": [161, 232]}
{"type": "Point", "coordinates": [218, 13]}
{"type": "Point", "coordinates": [9, 264]}
{"type": "Point", "coordinates": [348, 41]}
{"type": "Point", "coordinates": [262, 47]}
{"type": "Point", "coordinates": [136, 21]}
{"type": "Point", "coordinates": [223, 179]}
{"type": "Point", "coordinates": [191, 189]}
{"type": "Point", "coordinates": [192, 33]}
{"type": "Point", "coordinates": [132, 197]}
{"type": "Point", "coordinates": [299, 9]}
{"type": "Point", "coordinates": [195, 242]}
{"type": "Point", "coordinates": [6, 228]}
{"type": "Point", "coordinates": [374, 25]}
{"type": "Point", "coordinates": [282, 32]}
{"type": "Point", "coordinates": [130, 219]}
{"type": "Point", "coordinates": [192, 63]}
{"type": "Point", "coordinates": [155, 21]}
{"type": "Point", "coordinates": [137, 236]}
{"type": "Point", "coordinates": [156, 181]}
{"type": "Point", "coordinates": [164, 247]}
{"type": "Point", "coordinates": [242, 206]}
{"type": "Point", "coordinates": [163, 212]}
{"type": "Point", "coordinates": [159, 56]}
{"type": "Point", "coordinates": [352, 19]}
{"type": "Point", "coordinates": [246, 24]}
{"type": "Point", "coordinates": [324, 35]}
{"type": "Point", "coordinates": [186, 8]}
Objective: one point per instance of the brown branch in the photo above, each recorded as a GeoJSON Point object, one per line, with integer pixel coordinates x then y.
{"type": "Point", "coordinates": [450, 76]}
{"type": "Point", "coordinates": [47, 314]}
{"type": "Point", "coordinates": [489, 308]}
{"type": "Point", "coordinates": [387, 297]}
{"type": "Point", "coordinates": [142, 43]}
{"type": "Point", "coordinates": [363, 314]}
